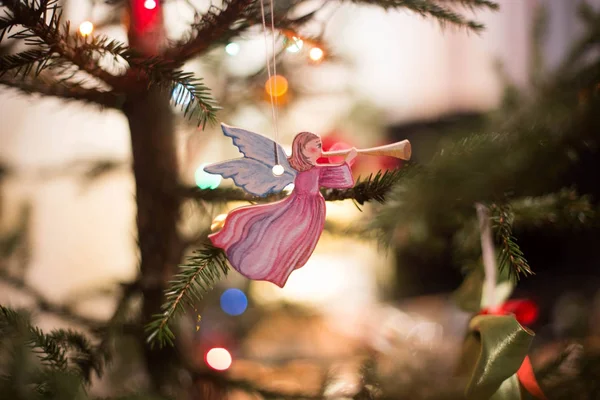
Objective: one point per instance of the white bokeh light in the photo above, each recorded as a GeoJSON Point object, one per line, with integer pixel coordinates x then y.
{"type": "Point", "coordinates": [233, 49]}
{"type": "Point", "coordinates": [278, 170]}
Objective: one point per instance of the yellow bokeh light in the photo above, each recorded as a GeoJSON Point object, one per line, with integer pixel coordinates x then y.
{"type": "Point", "coordinates": [218, 358]}
{"type": "Point", "coordinates": [276, 86]}
{"type": "Point", "coordinates": [86, 28]}
{"type": "Point", "coordinates": [316, 54]}
{"type": "Point", "coordinates": [218, 222]}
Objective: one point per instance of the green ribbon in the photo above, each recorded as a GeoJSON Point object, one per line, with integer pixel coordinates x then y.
{"type": "Point", "coordinates": [492, 354]}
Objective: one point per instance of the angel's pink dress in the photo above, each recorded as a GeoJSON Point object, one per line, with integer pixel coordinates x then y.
{"type": "Point", "coordinates": [268, 242]}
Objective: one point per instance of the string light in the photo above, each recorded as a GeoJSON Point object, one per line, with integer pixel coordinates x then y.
{"type": "Point", "coordinates": [276, 86]}
{"type": "Point", "coordinates": [316, 54]}
{"type": "Point", "coordinates": [86, 28]}
{"type": "Point", "coordinates": [232, 49]}
{"type": "Point", "coordinates": [296, 45]}
{"type": "Point", "coordinates": [204, 180]}
{"type": "Point", "coordinates": [218, 358]}
{"type": "Point", "coordinates": [234, 302]}
{"type": "Point", "coordinates": [150, 4]}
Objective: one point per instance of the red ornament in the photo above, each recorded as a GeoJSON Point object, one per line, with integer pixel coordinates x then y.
{"type": "Point", "coordinates": [524, 310]}
{"type": "Point", "coordinates": [146, 30]}
{"type": "Point", "coordinates": [145, 18]}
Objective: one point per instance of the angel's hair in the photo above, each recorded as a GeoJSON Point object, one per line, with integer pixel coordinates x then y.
{"type": "Point", "coordinates": [298, 160]}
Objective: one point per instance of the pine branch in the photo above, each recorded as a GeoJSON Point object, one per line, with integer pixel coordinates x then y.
{"type": "Point", "coordinates": [59, 350]}
{"type": "Point", "coordinates": [371, 188]}
{"type": "Point", "coordinates": [23, 62]}
{"type": "Point", "coordinates": [587, 43]}
{"type": "Point", "coordinates": [565, 209]}
{"type": "Point", "coordinates": [80, 352]}
{"type": "Point", "coordinates": [41, 22]}
{"type": "Point", "coordinates": [194, 280]}
{"type": "Point", "coordinates": [510, 255]}
{"type": "Point", "coordinates": [191, 93]}
{"type": "Point", "coordinates": [47, 349]}
{"type": "Point", "coordinates": [64, 90]}
{"type": "Point", "coordinates": [185, 90]}
{"type": "Point", "coordinates": [54, 45]}
{"type": "Point", "coordinates": [433, 8]}
{"type": "Point", "coordinates": [213, 27]}
{"type": "Point", "coordinates": [218, 26]}
{"type": "Point", "coordinates": [492, 5]}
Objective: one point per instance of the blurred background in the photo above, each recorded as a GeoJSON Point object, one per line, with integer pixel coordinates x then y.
{"type": "Point", "coordinates": [67, 209]}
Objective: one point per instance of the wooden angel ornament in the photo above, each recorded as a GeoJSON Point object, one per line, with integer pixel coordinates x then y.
{"type": "Point", "coordinates": [270, 241]}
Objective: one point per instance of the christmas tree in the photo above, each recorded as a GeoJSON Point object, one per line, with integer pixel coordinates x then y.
{"type": "Point", "coordinates": [527, 168]}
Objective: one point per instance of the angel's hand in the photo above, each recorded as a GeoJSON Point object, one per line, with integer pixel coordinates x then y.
{"type": "Point", "coordinates": [351, 155]}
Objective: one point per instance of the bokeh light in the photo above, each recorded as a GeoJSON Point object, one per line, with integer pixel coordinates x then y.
{"type": "Point", "coordinates": [218, 222]}
{"type": "Point", "coordinates": [150, 4]}
{"type": "Point", "coordinates": [181, 95]}
{"type": "Point", "coordinates": [276, 86]}
{"type": "Point", "coordinates": [295, 45]}
{"type": "Point", "coordinates": [234, 302]}
{"type": "Point", "coordinates": [86, 28]}
{"type": "Point", "coordinates": [278, 170]}
{"type": "Point", "coordinates": [218, 358]}
{"type": "Point", "coordinates": [316, 54]}
{"type": "Point", "coordinates": [204, 180]}
{"type": "Point", "coordinates": [233, 49]}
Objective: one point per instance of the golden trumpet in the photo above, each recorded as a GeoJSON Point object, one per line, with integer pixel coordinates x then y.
{"type": "Point", "coordinates": [401, 150]}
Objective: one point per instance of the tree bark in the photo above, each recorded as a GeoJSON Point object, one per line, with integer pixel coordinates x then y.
{"type": "Point", "coordinates": [156, 175]}
{"type": "Point", "coordinates": [152, 131]}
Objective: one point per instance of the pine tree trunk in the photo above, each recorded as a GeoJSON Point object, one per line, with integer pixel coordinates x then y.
{"type": "Point", "coordinates": [156, 175]}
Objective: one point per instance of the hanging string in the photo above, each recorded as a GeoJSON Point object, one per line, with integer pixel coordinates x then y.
{"type": "Point", "coordinates": [488, 256]}
{"type": "Point", "coordinates": [271, 81]}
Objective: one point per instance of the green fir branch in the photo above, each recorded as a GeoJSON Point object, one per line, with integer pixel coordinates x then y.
{"type": "Point", "coordinates": [217, 26]}
{"type": "Point", "coordinates": [64, 90]}
{"type": "Point", "coordinates": [374, 187]}
{"type": "Point", "coordinates": [79, 351]}
{"type": "Point", "coordinates": [45, 347]}
{"type": "Point", "coordinates": [190, 93]}
{"type": "Point", "coordinates": [510, 255]}
{"type": "Point", "coordinates": [473, 4]}
{"type": "Point", "coordinates": [437, 10]}
{"type": "Point", "coordinates": [23, 63]}
{"type": "Point", "coordinates": [56, 47]}
{"type": "Point", "coordinates": [42, 26]}
{"type": "Point", "coordinates": [213, 27]}
{"type": "Point", "coordinates": [197, 277]}
{"type": "Point", "coordinates": [59, 350]}
{"type": "Point", "coordinates": [564, 209]}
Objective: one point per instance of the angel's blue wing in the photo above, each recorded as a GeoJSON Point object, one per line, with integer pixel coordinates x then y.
{"type": "Point", "coordinates": [254, 172]}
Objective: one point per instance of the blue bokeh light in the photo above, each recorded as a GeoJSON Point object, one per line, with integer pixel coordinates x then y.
{"type": "Point", "coordinates": [234, 302]}
{"type": "Point", "coordinates": [204, 180]}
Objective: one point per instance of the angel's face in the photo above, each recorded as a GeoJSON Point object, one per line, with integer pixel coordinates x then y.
{"type": "Point", "coordinates": [313, 150]}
